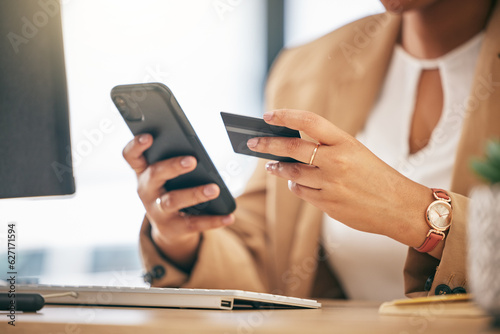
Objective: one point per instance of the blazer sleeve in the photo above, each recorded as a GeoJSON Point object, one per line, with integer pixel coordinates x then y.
{"type": "Point", "coordinates": [228, 258]}
{"type": "Point", "coordinates": [425, 275]}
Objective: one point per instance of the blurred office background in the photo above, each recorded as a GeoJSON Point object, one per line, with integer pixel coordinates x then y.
{"type": "Point", "coordinates": [213, 54]}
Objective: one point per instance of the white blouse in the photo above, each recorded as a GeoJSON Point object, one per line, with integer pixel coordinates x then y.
{"type": "Point", "coordinates": [370, 266]}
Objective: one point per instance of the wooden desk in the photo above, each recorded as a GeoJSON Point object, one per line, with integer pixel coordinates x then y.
{"type": "Point", "coordinates": [334, 317]}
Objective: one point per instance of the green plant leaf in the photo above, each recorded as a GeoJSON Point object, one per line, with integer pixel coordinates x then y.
{"type": "Point", "coordinates": [493, 153]}
{"type": "Point", "coordinates": [486, 170]}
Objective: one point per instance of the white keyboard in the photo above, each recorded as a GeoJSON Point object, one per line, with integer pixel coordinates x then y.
{"type": "Point", "coordinates": [163, 297]}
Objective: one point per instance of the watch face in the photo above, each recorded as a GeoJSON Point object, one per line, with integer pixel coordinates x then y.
{"type": "Point", "coordinates": [439, 215]}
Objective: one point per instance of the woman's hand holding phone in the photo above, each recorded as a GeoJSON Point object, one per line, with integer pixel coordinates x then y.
{"type": "Point", "coordinates": [175, 233]}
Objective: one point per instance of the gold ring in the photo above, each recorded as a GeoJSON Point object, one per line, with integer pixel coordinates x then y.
{"type": "Point", "coordinates": [314, 154]}
{"type": "Point", "coordinates": [158, 203]}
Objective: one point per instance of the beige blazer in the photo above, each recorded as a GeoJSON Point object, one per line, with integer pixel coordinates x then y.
{"type": "Point", "coordinates": [274, 246]}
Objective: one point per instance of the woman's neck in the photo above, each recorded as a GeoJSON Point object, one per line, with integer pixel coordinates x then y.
{"type": "Point", "coordinates": [435, 30]}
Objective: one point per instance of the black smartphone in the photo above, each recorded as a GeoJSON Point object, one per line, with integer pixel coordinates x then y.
{"type": "Point", "coordinates": [152, 108]}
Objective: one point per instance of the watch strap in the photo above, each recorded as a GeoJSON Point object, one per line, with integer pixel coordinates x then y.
{"type": "Point", "coordinates": [441, 195]}
{"type": "Point", "coordinates": [431, 241]}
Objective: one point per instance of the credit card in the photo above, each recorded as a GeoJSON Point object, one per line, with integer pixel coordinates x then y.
{"type": "Point", "coordinates": [241, 128]}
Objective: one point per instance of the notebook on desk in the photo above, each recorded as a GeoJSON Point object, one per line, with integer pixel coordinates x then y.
{"type": "Point", "coordinates": [451, 305]}
{"type": "Point", "coordinates": [163, 297]}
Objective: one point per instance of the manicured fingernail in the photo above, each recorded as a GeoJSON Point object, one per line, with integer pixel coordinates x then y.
{"type": "Point", "coordinates": [271, 166]}
{"type": "Point", "coordinates": [290, 184]}
{"type": "Point", "coordinates": [228, 220]}
{"type": "Point", "coordinates": [210, 190]}
{"type": "Point", "coordinates": [268, 115]}
{"type": "Point", "coordinates": [143, 139]}
{"type": "Point", "coordinates": [252, 142]}
{"type": "Point", "coordinates": [187, 161]}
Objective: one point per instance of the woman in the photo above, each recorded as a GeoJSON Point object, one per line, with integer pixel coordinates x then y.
{"type": "Point", "coordinates": [419, 86]}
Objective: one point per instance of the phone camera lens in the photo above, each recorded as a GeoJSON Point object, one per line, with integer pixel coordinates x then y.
{"type": "Point", "coordinates": [122, 106]}
{"type": "Point", "coordinates": [120, 102]}
{"type": "Point", "coordinates": [128, 111]}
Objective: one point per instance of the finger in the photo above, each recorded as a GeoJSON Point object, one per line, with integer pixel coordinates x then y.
{"type": "Point", "coordinates": [309, 176]}
{"type": "Point", "coordinates": [177, 226]}
{"type": "Point", "coordinates": [306, 193]}
{"type": "Point", "coordinates": [153, 178]}
{"type": "Point", "coordinates": [311, 124]}
{"type": "Point", "coordinates": [205, 223]}
{"type": "Point", "coordinates": [299, 149]}
{"type": "Point", "coordinates": [134, 152]}
{"type": "Point", "coordinates": [179, 199]}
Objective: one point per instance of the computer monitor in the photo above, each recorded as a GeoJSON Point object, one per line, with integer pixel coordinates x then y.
{"type": "Point", "coordinates": [35, 147]}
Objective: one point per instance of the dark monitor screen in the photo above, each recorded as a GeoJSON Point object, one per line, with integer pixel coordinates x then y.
{"type": "Point", "coordinates": [35, 150]}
